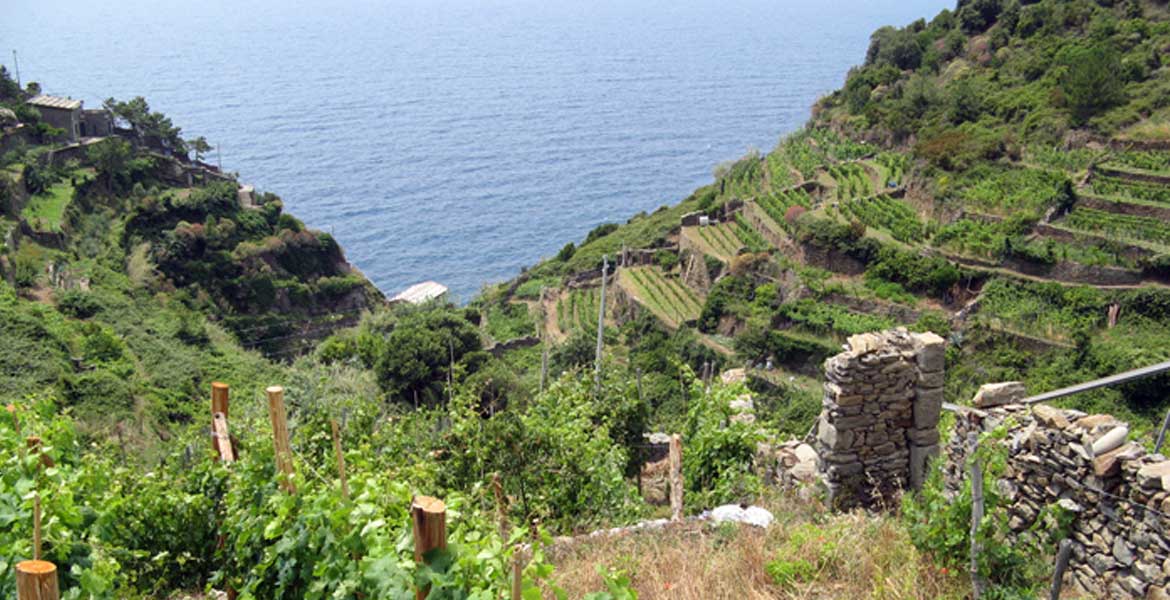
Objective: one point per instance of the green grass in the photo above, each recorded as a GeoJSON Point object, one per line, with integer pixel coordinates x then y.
{"type": "Point", "coordinates": [46, 211]}
{"type": "Point", "coordinates": [1117, 187]}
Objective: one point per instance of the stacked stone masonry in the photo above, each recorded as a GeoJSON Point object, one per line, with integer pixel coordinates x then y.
{"type": "Point", "coordinates": [1118, 494]}
{"type": "Point", "coordinates": [879, 418]}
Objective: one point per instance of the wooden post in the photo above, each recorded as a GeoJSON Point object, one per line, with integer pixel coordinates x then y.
{"type": "Point", "coordinates": [219, 398]}
{"type": "Point", "coordinates": [36, 447]}
{"type": "Point", "coordinates": [37, 526]}
{"type": "Point", "coordinates": [1062, 556]}
{"type": "Point", "coordinates": [1162, 433]}
{"type": "Point", "coordinates": [337, 453]}
{"type": "Point", "coordinates": [676, 478]}
{"type": "Point", "coordinates": [15, 419]}
{"type": "Point", "coordinates": [429, 519]}
{"type": "Point", "coordinates": [279, 419]}
{"type": "Point", "coordinates": [518, 574]}
{"type": "Point", "coordinates": [501, 505]}
{"type": "Point", "coordinates": [222, 438]}
{"type": "Point", "coordinates": [544, 366]}
{"type": "Point", "coordinates": [36, 580]}
{"type": "Point", "coordinates": [977, 583]}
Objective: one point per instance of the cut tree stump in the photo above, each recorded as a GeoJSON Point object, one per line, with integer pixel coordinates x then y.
{"type": "Point", "coordinates": [36, 580]}
{"type": "Point", "coordinates": [429, 517]}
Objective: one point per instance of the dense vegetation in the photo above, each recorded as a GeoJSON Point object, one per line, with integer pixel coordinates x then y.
{"type": "Point", "coordinates": [990, 175]}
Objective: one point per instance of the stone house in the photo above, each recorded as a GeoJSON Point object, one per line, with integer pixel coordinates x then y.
{"type": "Point", "coordinates": [70, 116]}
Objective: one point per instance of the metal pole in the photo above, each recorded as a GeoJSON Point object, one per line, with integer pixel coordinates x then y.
{"type": "Point", "coordinates": [601, 320]}
{"type": "Point", "coordinates": [16, 66]}
{"type": "Point", "coordinates": [1162, 433]}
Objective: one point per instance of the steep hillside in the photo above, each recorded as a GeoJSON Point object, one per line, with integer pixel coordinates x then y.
{"type": "Point", "coordinates": [134, 276]}
{"type": "Point", "coordinates": [999, 174]}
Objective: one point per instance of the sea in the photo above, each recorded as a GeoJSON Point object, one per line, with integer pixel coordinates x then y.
{"type": "Point", "coordinates": [458, 140]}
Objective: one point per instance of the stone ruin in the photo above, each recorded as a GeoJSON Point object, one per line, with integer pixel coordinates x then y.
{"type": "Point", "coordinates": [879, 427]}
{"type": "Point", "coordinates": [879, 417]}
{"type": "Point", "coordinates": [1118, 494]}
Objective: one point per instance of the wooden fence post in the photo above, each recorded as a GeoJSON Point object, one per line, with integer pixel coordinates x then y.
{"type": "Point", "coordinates": [36, 447]}
{"type": "Point", "coordinates": [1062, 556]}
{"type": "Point", "coordinates": [221, 437]}
{"type": "Point", "coordinates": [676, 478]}
{"type": "Point", "coordinates": [37, 526]}
{"type": "Point", "coordinates": [36, 580]}
{"type": "Point", "coordinates": [501, 505]}
{"type": "Point", "coordinates": [518, 574]}
{"type": "Point", "coordinates": [977, 583]}
{"type": "Point", "coordinates": [340, 457]}
{"type": "Point", "coordinates": [429, 520]}
{"type": "Point", "coordinates": [280, 443]}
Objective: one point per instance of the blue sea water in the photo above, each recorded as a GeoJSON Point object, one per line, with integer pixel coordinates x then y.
{"type": "Point", "coordinates": [459, 140]}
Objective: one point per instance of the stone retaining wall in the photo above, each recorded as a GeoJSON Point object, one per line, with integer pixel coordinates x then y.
{"type": "Point", "coordinates": [1118, 493]}
{"type": "Point", "coordinates": [879, 418]}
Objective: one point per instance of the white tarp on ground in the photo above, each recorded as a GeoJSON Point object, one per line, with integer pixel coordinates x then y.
{"type": "Point", "coordinates": [752, 515]}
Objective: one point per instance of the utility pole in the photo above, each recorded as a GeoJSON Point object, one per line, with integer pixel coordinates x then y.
{"type": "Point", "coordinates": [601, 320]}
{"type": "Point", "coordinates": [16, 66]}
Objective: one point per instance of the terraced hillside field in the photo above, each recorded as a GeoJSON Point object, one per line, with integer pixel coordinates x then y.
{"type": "Point", "coordinates": [577, 310]}
{"type": "Point", "coordinates": [663, 295]}
{"type": "Point", "coordinates": [721, 241]}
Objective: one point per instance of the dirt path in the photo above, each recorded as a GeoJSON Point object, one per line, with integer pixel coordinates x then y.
{"type": "Point", "coordinates": [552, 327]}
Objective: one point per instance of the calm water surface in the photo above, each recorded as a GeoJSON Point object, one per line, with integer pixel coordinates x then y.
{"type": "Point", "coordinates": [459, 140]}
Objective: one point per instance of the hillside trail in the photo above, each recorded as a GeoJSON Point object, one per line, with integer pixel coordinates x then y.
{"type": "Point", "coordinates": [552, 326]}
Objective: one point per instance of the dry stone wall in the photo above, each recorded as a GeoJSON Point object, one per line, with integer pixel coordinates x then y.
{"type": "Point", "coordinates": [1118, 494]}
{"type": "Point", "coordinates": [879, 417]}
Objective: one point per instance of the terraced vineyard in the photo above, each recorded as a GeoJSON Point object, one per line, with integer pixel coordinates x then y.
{"type": "Point", "coordinates": [777, 205]}
{"type": "Point", "coordinates": [1116, 187]}
{"type": "Point", "coordinates": [852, 180]}
{"type": "Point", "coordinates": [888, 213]}
{"type": "Point", "coordinates": [1119, 225]}
{"type": "Point", "coordinates": [664, 296]}
{"type": "Point", "coordinates": [751, 238]}
{"type": "Point", "coordinates": [1145, 160]}
{"type": "Point", "coordinates": [577, 310]}
{"type": "Point", "coordinates": [890, 168]}
{"type": "Point", "coordinates": [721, 241]}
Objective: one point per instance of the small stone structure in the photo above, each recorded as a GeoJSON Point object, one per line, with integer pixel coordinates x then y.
{"type": "Point", "coordinates": [1118, 493]}
{"type": "Point", "coordinates": [879, 418]}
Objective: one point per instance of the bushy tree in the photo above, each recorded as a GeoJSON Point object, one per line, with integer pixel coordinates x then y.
{"type": "Point", "coordinates": [1091, 82]}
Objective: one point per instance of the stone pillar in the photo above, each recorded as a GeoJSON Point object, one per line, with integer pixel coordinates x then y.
{"type": "Point", "coordinates": [928, 401]}
{"type": "Point", "coordinates": [879, 418]}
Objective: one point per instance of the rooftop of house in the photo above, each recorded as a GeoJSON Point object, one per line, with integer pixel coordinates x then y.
{"type": "Point", "coordinates": [46, 101]}
{"type": "Point", "coordinates": [421, 292]}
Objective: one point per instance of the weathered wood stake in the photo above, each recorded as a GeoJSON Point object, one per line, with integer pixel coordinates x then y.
{"type": "Point", "coordinates": [544, 367]}
{"type": "Point", "coordinates": [429, 518]}
{"type": "Point", "coordinates": [676, 478]}
{"type": "Point", "coordinates": [1062, 556]}
{"type": "Point", "coordinates": [36, 580]}
{"type": "Point", "coordinates": [35, 446]}
{"type": "Point", "coordinates": [280, 443]}
{"type": "Point", "coordinates": [501, 505]}
{"type": "Point", "coordinates": [977, 583]}
{"type": "Point", "coordinates": [221, 438]}
{"type": "Point", "coordinates": [518, 574]}
{"type": "Point", "coordinates": [37, 526]}
{"type": "Point", "coordinates": [340, 457]}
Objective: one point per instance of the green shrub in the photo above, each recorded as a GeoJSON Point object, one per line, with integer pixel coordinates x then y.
{"type": "Point", "coordinates": [78, 304]}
